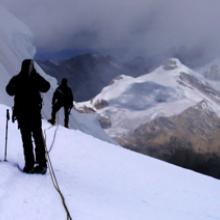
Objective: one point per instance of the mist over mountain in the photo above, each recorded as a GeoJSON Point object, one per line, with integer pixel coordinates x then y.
{"type": "Point", "coordinates": [156, 30]}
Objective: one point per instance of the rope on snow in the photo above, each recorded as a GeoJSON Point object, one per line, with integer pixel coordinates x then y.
{"type": "Point", "coordinates": [53, 175]}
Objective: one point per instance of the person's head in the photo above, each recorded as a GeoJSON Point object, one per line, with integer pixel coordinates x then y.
{"type": "Point", "coordinates": [64, 82]}
{"type": "Point", "coordinates": [27, 67]}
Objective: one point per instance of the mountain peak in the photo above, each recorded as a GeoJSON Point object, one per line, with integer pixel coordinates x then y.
{"type": "Point", "coordinates": [172, 63]}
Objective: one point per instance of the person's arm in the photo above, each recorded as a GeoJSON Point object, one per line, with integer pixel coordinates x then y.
{"type": "Point", "coordinates": [11, 87]}
{"type": "Point", "coordinates": [54, 97]}
{"type": "Point", "coordinates": [43, 84]}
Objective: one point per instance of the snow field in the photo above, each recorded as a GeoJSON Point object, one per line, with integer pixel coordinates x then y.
{"type": "Point", "coordinates": [102, 181]}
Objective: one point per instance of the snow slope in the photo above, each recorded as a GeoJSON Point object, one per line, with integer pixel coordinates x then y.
{"type": "Point", "coordinates": [15, 45]}
{"type": "Point", "coordinates": [102, 181]}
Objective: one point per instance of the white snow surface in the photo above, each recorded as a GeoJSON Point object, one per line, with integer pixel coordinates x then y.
{"type": "Point", "coordinates": [101, 181]}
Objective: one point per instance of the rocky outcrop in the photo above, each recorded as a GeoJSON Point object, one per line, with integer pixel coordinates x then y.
{"type": "Point", "coordinates": [190, 139]}
{"type": "Point", "coordinates": [201, 86]}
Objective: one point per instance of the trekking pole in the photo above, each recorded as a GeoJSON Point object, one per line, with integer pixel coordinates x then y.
{"type": "Point", "coordinates": [6, 134]}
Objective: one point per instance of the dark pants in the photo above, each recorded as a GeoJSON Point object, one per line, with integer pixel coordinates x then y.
{"type": "Point", "coordinates": [56, 107]}
{"type": "Point", "coordinates": [30, 127]}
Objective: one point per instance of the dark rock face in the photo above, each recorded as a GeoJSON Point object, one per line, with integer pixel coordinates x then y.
{"type": "Point", "coordinates": [89, 73]}
{"type": "Point", "coordinates": [101, 104]}
{"type": "Point", "coordinates": [190, 140]}
{"type": "Point", "coordinates": [104, 122]}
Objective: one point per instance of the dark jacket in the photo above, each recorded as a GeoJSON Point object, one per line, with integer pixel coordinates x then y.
{"type": "Point", "coordinates": [26, 91]}
{"type": "Point", "coordinates": [63, 95]}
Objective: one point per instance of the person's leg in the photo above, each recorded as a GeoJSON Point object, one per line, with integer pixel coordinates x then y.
{"type": "Point", "coordinates": [27, 145]}
{"type": "Point", "coordinates": [56, 107]}
{"type": "Point", "coordinates": [39, 142]}
{"type": "Point", "coordinates": [66, 116]}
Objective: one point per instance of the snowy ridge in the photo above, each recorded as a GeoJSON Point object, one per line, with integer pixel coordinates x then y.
{"type": "Point", "coordinates": [102, 181]}
{"type": "Point", "coordinates": [162, 75]}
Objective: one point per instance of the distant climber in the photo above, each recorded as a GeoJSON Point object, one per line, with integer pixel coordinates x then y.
{"type": "Point", "coordinates": [62, 97]}
{"type": "Point", "coordinates": [26, 87]}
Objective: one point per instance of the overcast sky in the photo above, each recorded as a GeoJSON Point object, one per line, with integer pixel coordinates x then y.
{"type": "Point", "coordinates": [148, 28]}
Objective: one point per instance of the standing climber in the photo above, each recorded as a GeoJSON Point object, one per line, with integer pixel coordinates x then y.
{"type": "Point", "coordinates": [62, 97]}
{"type": "Point", "coordinates": [26, 87]}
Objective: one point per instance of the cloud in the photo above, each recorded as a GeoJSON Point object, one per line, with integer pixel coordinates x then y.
{"type": "Point", "coordinates": [150, 28]}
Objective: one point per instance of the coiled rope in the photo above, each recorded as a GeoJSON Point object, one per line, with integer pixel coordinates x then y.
{"type": "Point", "coordinates": [53, 175]}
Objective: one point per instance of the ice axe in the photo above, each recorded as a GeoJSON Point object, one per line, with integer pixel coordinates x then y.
{"type": "Point", "coordinates": [6, 134]}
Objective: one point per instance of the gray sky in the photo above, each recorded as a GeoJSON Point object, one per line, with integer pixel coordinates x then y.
{"type": "Point", "coordinates": [149, 28]}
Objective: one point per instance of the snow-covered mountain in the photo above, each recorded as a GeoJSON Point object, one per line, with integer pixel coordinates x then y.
{"type": "Point", "coordinates": [171, 106]}
{"type": "Point", "coordinates": [101, 181]}
{"type": "Point", "coordinates": [167, 91]}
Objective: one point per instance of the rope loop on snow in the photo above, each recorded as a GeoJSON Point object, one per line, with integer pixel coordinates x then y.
{"type": "Point", "coordinates": [52, 173]}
